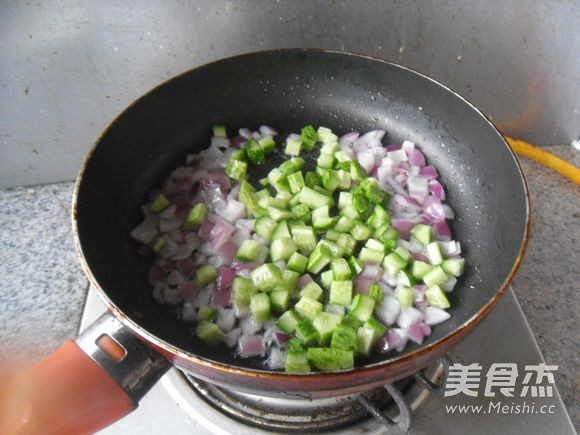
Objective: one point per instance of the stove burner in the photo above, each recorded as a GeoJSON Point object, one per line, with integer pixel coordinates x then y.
{"type": "Point", "coordinates": [291, 414]}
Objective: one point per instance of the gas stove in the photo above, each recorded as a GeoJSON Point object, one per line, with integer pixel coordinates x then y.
{"type": "Point", "coordinates": [180, 404]}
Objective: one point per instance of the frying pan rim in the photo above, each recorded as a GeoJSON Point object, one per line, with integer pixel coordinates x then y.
{"type": "Point", "coordinates": [462, 330]}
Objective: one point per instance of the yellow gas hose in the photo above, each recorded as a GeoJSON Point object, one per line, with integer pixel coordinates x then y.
{"type": "Point", "coordinates": [525, 149]}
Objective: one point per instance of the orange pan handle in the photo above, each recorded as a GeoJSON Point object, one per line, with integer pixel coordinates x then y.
{"type": "Point", "coordinates": [71, 392]}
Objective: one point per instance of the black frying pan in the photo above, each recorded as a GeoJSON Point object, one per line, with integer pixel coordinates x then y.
{"type": "Point", "coordinates": [288, 89]}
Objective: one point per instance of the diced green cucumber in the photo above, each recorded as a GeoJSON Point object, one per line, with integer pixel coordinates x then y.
{"type": "Point", "coordinates": [454, 266]}
{"type": "Point", "coordinates": [325, 161]}
{"type": "Point", "coordinates": [344, 200]}
{"type": "Point", "coordinates": [302, 211]}
{"type": "Point", "coordinates": [405, 296]}
{"type": "Point", "coordinates": [305, 238]}
{"type": "Point", "coordinates": [287, 322]}
{"type": "Point", "coordinates": [296, 362]}
{"type": "Point", "coordinates": [342, 156]}
{"type": "Point", "coordinates": [308, 307]}
{"type": "Point", "coordinates": [325, 323]}
{"type": "Point", "coordinates": [249, 250]}
{"type": "Point", "coordinates": [332, 235]}
{"type": "Point", "coordinates": [267, 277]}
{"type": "Point", "coordinates": [158, 243]}
{"type": "Point", "coordinates": [341, 293]}
{"type": "Point", "coordinates": [297, 262]}
{"type": "Point", "coordinates": [237, 170]}
{"type": "Point", "coordinates": [435, 276]}
{"type": "Point", "coordinates": [330, 359]}
{"type": "Point", "coordinates": [255, 152]}
{"type": "Point", "coordinates": [328, 138]}
{"type": "Point", "coordinates": [264, 227]}
{"type": "Point", "coordinates": [260, 307]}
{"type": "Point", "coordinates": [436, 297]}
{"type": "Point", "coordinates": [279, 214]}
{"type": "Point", "coordinates": [378, 328]}
{"type": "Point", "coordinates": [210, 333]}
{"type": "Point", "coordinates": [205, 275]}
{"type": "Point", "coordinates": [344, 338]}
{"type": "Point", "coordinates": [365, 340]}
{"type": "Point", "coordinates": [372, 256]}
{"type": "Point", "coordinates": [160, 203]}
{"type": "Point", "coordinates": [334, 248]}
{"type": "Point", "coordinates": [220, 131]}
{"type": "Point", "coordinates": [344, 225]}
{"type": "Point", "coordinates": [293, 147]}
{"type": "Point", "coordinates": [282, 249]}
{"type": "Point", "coordinates": [269, 201]}
{"type": "Point", "coordinates": [306, 332]}
{"type": "Point", "coordinates": [267, 144]}
{"type": "Point", "coordinates": [326, 279]}
{"type": "Point", "coordinates": [356, 171]}
{"type": "Point", "coordinates": [312, 179]}
{"type": "Point", "coordinates": [376, 293]}
{"type": "Point", "coordinates": [434, 253]}
{"type": "Point", "coordinates": [206, 313]}
{"type": "Point", "coordinates": [279, 300]}
{"type": "Point", "coordinates": [243, 289]}
{"type": "Point", "coordinates": [355, 265]}
{"type": "Point", "coordinates": [350, 212]}
{"type": "Point", "coordinates": [295, 344]}
{"type": "Point", "coordinates": [422, 233]}
{"type": "Point", "coordinates": [419, 269]}
{"type": "Point", "coordinates": [330, 308]}
{"type": "Point", "coordinates": [314, 199]}
{"type": "Point", "coordinates": [196, 216]}
{"type": "Point", "coordinates": [347, 243]}
{"type": "Point", "coordinates": [375, 244]}
{"type": "Point", "coordinates": [312, 290]}
{"type": "Point", "coordinates": [344, 179]}
{"type": "Point", "coordinates": [281, 231]}
{"type": "Point", "coordinates": [341, 269]}
{"type": "Point", "coordinates": [249, 198]}
{"type": "Point", "coordinates": [289, 282]}
{"type": "Point", "coordinates": [351, 321]}
{"type": "Point", "coordinates": [361, 232]}
{"type": "Point", "coordinates": [296, 182]}
{"type": "Point", "coordinates": [405, 278]}
{"type": "Point", "coordinates": [309, 137]}
{"type": "Point", "coordinates": [393, 263]}
{"type": "Point", "coordinates": [405, 254]}
{"type": "Point", "coordinates": [319, 259]}
{"type": "Point", "coordinates": [362, 307]}
{"type": "Point", "coordinates": [323, 223]}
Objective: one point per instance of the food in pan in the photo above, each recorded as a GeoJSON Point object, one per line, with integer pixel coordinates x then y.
{"type": "Point", "coordinates": [309, 252]}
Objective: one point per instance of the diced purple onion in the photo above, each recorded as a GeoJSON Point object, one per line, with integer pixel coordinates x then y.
{"type": "Point", "coordinates": [226, 319]}
{"type": "Point", "coordinates": [276, 359]}
{"type": "Point", "coordinates": [366, 160]}
{"type": "Point", "coordinates": [282, 338]}
{"type": "Point", "coordinates": [436, 212]}
{"type": "Point", "coordinates": [416, 157]}
{"type": "Point", "coordinates": [388, 311]}
{"type": "Point", "coordinates": [304, 280]}
{"type": "Point", "coordinates": [251, 345]}
{"type": "Point", "coordinates": [372, 271]}
{"type": "Point", "coordinates": [225, 278]}
{"type": "Point", "coordinates": [418, 332]}
{"type": "Point", "coordinates": [183, 251]}
{"type": "Point", "coordinates": [437, 189]}
{"type": "Point", "coordinates": [233, 211]}
{"type": "Point", "coordinates": [421, 257]}
{"type": "Point", "coordinates": [429, 172]}
{"type": "Point", "coordinates": [227, 252]}
{"type": "Point", "coordinates": [434, 316]}
{"type": "Point", "coordinates": [156, 274]}
{"type": "Point", "coordinates": [250, 326]}
{"type": "Point", "coordinates": [221, 233]}
{"type": "Point", "coordinates": [266, 130]}
{"type": "Point", "coordinates": [239, 141]}
{"type": "Point", "coordinates": [449, 285]}
{"type": "Point", "coordinates": [231, 338]}
{"type": "Point", "coordinates": [362, 285]}
{"type": "Point", "coordinates": [409, 316]}
{"type": "Point", "coordinates": [442, 231]}
{"type": "Point", "coordinates": [351, 136]}
{"type": "Point", "coordinates": [393, 147]}
{"type": "Point", "coordinates": [185, 266]}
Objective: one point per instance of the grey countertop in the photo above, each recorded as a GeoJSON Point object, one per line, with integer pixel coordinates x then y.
{"type": "Point", "coordinates": [42, 287]}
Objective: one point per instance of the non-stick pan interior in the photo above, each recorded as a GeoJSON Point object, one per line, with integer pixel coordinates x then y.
{"type": "Point", "coordinates": [288, 89]}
